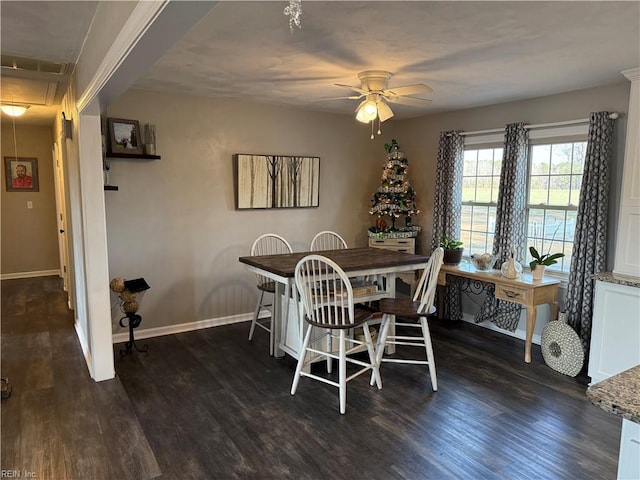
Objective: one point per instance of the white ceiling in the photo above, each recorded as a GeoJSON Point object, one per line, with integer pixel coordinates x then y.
{"type": "Point", "coordinates": [471, 53]}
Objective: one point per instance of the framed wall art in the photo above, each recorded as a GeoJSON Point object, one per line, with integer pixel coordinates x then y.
{"type": "Point", "coordinates": [21, 174]}
{"type": "Point", "coordinates": [276, 181]}
{"type": "Point", "coordinates": [124, 136]}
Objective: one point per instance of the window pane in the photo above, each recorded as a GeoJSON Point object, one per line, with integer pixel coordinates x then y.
{"type": "Point", "coordinates": [495, 186]}
{"type": "Point", "coordinates": [559, 190]}
{"type": "Point", "coordinates": [536, 223]}
{"type": "Point", "coordinates": [538, 190]}
{"type": "Point", "coordinates": [469, 166]}
{"type": "Point", "coordinates": [576, 182]}
{"type": "Point", "coordinates": [478, 243]}
{"type": "Point", "coordinates": [480, 219]}
{"type": "Point", "coordinates": [579, 151]}
{"type": "Point", "coordinates": [540, 155]}
{"type": "Point", "coordinates": [561, 155]}
{"type": "Point", "coordinates": [483, 191]}
{"type": "Point", "coordinates": [485, 161]}
{"type": "Point", "coordinates": [570, 226]}
{"type": "Point", "coordinates": [468, 189]}
{"type": "Point", "coordinates": [554, 228]}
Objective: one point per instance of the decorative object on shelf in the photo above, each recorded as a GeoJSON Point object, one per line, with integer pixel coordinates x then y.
{"type": "Point", "coordinates": [276, 181]}
{"type": "Point", "coordinates": [124, 136]}
{"type": "Point", "coordinates": [21, 174]}
{"type": "Point", "coordinates": [561, 347]}
{"type": "Point", "coordinates": [452, 250]}
{"type": "Point", "coordinates": [483, 262]}
{"type": "Point", "coordinates": [128, 292]}
{"type": "Point", "coordinates": [394, 197]}
{"type": "Point", "coordinates": [149, 139]}
{"type": "Point", "coordinates": [540, 262]}
{"type": "Point", "coordinates": [511, 269]}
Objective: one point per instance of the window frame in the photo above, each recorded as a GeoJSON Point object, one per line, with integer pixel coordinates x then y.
{"type": "Point", "coordinates": [546, 134]}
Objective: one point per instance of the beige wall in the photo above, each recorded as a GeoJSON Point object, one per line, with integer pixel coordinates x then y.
{"type": "Point", "coordinates": [29, 235]}
{"type": "Point", "coordinates": [173, 220]}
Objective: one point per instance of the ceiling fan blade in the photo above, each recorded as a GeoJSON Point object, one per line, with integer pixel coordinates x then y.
{"type": "Point", "coordinates": [351, 87]}
{"type": "Point", "coordinates": [353, 97]}
{"type": "Point", "coordinates": [413, 101]}
{"type": "Point", "coordinates": [384, 111]}
{"type": "Point", "coordinates": [408, 90]}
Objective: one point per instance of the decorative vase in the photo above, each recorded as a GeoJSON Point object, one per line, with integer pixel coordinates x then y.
{"type": "Point", "coordinates": [511, 269]}
{"type": "Point", "coordinates": [150, 148]}
{"type": "Point", "coordinates": [538, 272]}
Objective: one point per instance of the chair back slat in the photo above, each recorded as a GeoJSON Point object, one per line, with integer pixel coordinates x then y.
{"type": "Point", "coordinates": [426, 289]}
{"type": "Point", "coordinates": [327, 240]}
{"type": "Point", "coordinates": [269, 244]}
{"type": "Point", "coordinates": [325, 292]}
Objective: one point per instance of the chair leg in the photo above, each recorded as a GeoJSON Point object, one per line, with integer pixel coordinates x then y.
{"type": "Point", "coordinates": [329, 348]}
{"type": "Point", "coordinates": [373, 357]}
{"type": "Point", "coordinates": [342, 372]}
{"type": "Point", "coordinates": [427, 342]}
{"type": "Point", "coordinates": [303, 354]}
{"type": "Point", "coordinates": [382, 339]}
{"type": "Point", "coordinates": [256, 312]}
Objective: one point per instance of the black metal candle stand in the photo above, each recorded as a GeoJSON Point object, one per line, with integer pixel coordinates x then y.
{"type": "Point", "coordinates": [134, 321]}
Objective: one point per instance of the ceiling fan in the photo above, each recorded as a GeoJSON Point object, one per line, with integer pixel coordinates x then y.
{"type": "Point", "coordinates": [375, 92]}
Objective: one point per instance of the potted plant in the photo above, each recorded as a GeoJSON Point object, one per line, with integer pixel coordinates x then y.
{"type": "Point", "coordinates": [540, 262]}
{"type": "Point", "coordinates": [452, 250]}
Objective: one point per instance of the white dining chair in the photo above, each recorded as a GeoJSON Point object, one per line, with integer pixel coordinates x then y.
{"type": "Point", "coordinates": [327, 299]}
{"type": "Point", "coordinates": [267, 244]}
{"type": "Point", "coordinates": [415, 311]}
{"type": "Point", "coordinates": [327, 240]}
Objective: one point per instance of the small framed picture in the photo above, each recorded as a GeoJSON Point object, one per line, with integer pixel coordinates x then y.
{"type": "Point", "coordinates": [124, 136]}
{"type": "Point", "coordinates": [21, 174]}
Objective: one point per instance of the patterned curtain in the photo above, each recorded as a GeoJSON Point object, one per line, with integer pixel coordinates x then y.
{"type": "Point", "coordinates": [510, 221]}
{"type": "Point", "coordinates": [447, 207]}
{"type": "Point", "coordinates": [590, 239]}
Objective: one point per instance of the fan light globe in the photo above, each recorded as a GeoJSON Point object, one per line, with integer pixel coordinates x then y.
{"type": "Point", "coordinates": [14, 110]}
{"type": "Point", "coordinates": [367, 112]}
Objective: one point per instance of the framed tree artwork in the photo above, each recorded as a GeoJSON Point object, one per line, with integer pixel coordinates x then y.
{"type": "Point", "coordinates": [276, 181]}
{"type": "Point", "coordinates": [21, 174]}
{"type": "Point", "coordinates": [124, 136]}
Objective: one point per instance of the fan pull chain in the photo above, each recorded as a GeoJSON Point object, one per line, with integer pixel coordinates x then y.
{"type": "Point", "coordinates": [15, 143]}
{"type": "Point", "coordinates": [379, 131]}
{"type": "Point", "coordinates": [372, 129]}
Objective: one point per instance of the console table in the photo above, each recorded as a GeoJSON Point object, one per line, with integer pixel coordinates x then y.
{"type": "Point", "coordinates": [523, 291]}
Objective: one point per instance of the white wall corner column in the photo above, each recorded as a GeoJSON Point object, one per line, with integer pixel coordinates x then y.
{"type": "Point", "coordinates": [627, 256]}
{"type": "Point", "coordinates": [95, 251]}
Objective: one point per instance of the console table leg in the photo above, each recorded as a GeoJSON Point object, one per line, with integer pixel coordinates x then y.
{"type": "Point", "coordinates": [532, 312]}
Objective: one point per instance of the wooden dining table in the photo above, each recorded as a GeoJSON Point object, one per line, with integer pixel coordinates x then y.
{"type": "Point", "coordinates": [369, 262]}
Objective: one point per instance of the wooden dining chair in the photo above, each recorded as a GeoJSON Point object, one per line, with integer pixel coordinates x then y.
{"type": "Point", "coordinates": [267, 244]}
{"type": "Point", "coordinates": [327, 299]}
{"type": "Point", "coordinates": [413, 315]}
{"type": "Point", "coordinates": [327, 240]}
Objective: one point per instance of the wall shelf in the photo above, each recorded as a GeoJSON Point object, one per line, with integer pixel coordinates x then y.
{"type": "Point", "coordinates": [133, 155]}
{"type": "Point", "coordinates": [111, 187]}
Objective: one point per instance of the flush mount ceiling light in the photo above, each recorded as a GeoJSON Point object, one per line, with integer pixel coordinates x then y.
{"type": "Point", "coordinates": [14, 110]}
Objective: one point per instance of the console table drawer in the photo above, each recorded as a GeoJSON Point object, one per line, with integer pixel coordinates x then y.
{"type": "Point", "coordinates": [513, 294]}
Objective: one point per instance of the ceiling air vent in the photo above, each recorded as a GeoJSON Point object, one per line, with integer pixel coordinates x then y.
{"type": "Point", "coordinates": [14, 62]}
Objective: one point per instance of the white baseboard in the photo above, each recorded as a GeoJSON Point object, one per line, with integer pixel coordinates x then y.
{"type": "Point", "coordinates": [37, 273]}
{"type": "Point", "coordinates": [185, 327]}
{"type": "Point", "coordinates": [519, 333]}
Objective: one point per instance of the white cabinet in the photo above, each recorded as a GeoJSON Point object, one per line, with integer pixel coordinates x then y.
{"type": "Point", "coordinates": [407, 245]}
{"type": "Point", "coordinates": [615, 330]}
{"type": "Point", "coordinates": [629, 459]}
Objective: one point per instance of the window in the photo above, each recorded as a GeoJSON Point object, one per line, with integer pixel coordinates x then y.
{"type": "Point", "coordinates": [480, 181]}
{"type": "Point", "coordinates": [553, 190]}
{"type": "Point", "coordinates": [555, 175]}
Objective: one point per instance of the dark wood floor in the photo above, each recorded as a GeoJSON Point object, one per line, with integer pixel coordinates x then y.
{"type": "Point", "coordinates": [210, 405]}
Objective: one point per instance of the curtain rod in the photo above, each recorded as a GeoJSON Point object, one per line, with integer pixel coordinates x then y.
{"type": "Point", "coordinates": [612, 116]}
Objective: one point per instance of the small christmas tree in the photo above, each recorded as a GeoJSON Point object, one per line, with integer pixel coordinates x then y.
{"type": "Point", "coordinates": [394, 197]}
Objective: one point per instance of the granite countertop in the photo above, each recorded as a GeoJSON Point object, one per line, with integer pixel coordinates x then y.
{"type": "Point", "coordinates": [611, 277]}
{"type": "Point", "coordinates": [619, 394]}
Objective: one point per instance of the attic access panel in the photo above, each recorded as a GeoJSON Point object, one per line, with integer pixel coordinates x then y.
{"type": "Point", "coordinates": [276, 181]}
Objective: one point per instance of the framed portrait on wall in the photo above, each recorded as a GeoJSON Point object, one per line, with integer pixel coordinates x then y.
{"type": "Point", "coordinates": [21, 174]}
{"type": "Point", "coordinates": [124, 136]}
